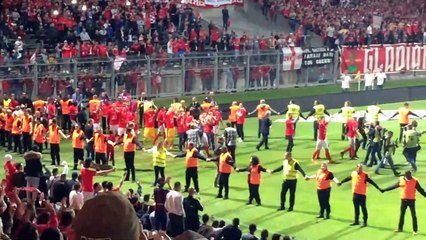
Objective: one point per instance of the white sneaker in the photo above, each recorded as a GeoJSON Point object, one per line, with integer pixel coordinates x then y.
{"type": "Point", "coordinates": [240, 140]}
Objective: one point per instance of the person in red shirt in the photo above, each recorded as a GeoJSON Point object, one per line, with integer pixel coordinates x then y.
{"type": "Point", "coordinates": [289, 132]}
{"type": "Point", "coordinates": [182, 127]}
{"type": "Point", "coordinates": [123, 120]}
{"type": "Point", "coordinates": [322, 140]}
{"type": "Point", "coordinates": [170, 128]}
{"type": "Point", "coordinates": [352, 128]}
{"type": "Point", "coordinates": [9, 170]}
{"type": "Point", "coordinates": [51, 109]}
{"type": "Point", "coordinates": [161, 121]}
{"type": "Point", "coordinates": [85, 49]}
{"type": "Point", "coordinates": [106, 107]}
{"type": "Point", "coordinates": [87, 174]}
{"type": "Point", "coordinates": [96, 116]}
{"type": "Point", "coordinates": [241, 118]}
{"type": "Point", "coordinates": [113, 119]}
{"type": "Point", "coordinates": [149, 124]}
{"type": "Point", "coordinates": [111, 138]}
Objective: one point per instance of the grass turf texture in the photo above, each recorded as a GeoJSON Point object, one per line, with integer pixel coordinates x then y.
{"type": "Point", "coordinates": [383, 208]}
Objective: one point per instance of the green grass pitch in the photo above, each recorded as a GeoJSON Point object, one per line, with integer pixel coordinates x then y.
{"type": "Point", "coordinates": [302, 223]}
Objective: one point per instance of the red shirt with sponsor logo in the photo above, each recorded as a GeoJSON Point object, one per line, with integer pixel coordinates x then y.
{"type": "Point", "coordinates": [170, 120]}
{"type": "Point", "coordinates": [352, 126]}
{"type": "Point", "coordinates": [241, 115]}
{"type": "Point", "coordinates": [322, 130]}
{"type": "Point", "coordinates": [113, 117]}
{"type": "Point", "coordinates": [289, 127]}
{"type": "Point", "coordinates": [149, 119]}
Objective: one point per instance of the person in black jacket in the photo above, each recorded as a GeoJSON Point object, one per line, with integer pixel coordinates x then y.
{"type": "Point", "coordinates": [265, 123]}
{"type": "Point", "coordinates": [33, 170]}
{"type": "Point", "coordinates": [192, 205]}
{"type": "Point", "coordinates": [254, 179]}
{"type": "Point", "coordinates": [230, 232]}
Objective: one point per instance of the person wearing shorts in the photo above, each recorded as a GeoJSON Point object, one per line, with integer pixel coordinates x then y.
{"type": "Point", "coordinates": [322, 140]}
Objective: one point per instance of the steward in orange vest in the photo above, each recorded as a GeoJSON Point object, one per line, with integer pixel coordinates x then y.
{"type": "Point", "coordinates": [359, 188]}
{"type": "Point", "coordinates": [408, 186]}
{"type": "Point", "coordinates": [17, 132]}
{"type": "Point", "coordinates": [254, 179]}
{"type": "Point", "coordinates": [78, 138]}
{"type": "Point", "coordinates": [27, 130]}
{"type": "Point", "coordinates": [404, 113]}
{"type": "Point", "coordinates": [323, 179]}
{"type": "Point", "coordinates": [226, 165]}
{"type": "Point", "coordinates": [191, 156]}
{"type": "Point", "coordinates": [100, 141]}
{"type": "Point", "coordinates": [55, 134]}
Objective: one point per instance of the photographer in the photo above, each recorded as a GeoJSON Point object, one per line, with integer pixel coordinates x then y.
{"type": "Point", "coordinates": [389, 146]}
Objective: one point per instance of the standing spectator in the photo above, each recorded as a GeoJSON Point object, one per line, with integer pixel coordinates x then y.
{"type": "Point", "coordinates": [33, 170]}
{"type": "Point", "coordinates": [160, 195]}
{"type": "Point", "coordinates": [369, 33]}
{"type": "Point", "coordinates": [174, 207]}
{"type": "Point", "coordinates": [381, 78]}
{"type": "Point", "coordinates": [225, 18]}
{"type": "Point", "coordinates": [368, 80]}
{"type": "Point", "coordinates": [192, 205]}
{"type": "Point", "coordinates": [250, 235]}
{"type": "Point", "coordinates": [76, 198]}
{"type": "Point", "coordinates": [87, 174]}
{"type": "Point", "coordinates": [230, 232]}
{"type": "Point", "coordinates": [264, 125]}
{"type": "Point", "coordinates": [346, 79]}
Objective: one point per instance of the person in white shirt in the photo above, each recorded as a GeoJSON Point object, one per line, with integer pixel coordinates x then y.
{"type": "Point", "coordinates": [368, 80]}
{"type": "Point", "coordinates": [76, 197]}
{"type": "Point", "coordinates": [84, 36]}
{"type": "Point", "coordinates": [369, 35]}
{"type": "Point", "coordinates": [176, 213]}
{"type": "Point", "coordinates": [381, 78]}
{"type": "Point", "coordinates": [346, 79]}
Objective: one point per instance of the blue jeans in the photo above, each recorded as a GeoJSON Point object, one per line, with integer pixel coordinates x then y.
{"type": "Point", "coordinates": [388, 157]}
{"type": "Point", "coordinates": [372, 150]}
{"type": "Point", "coordinates": [411, 155]}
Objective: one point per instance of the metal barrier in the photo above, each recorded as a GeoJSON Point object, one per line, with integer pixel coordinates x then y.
{"type": "Point", "coordinates": [156, 76]}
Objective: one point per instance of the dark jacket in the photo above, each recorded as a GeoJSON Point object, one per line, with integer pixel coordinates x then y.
{"type": "Point", "coordinates": [33, 167]}
{"type": "Point", "coordinates": [265, 124]}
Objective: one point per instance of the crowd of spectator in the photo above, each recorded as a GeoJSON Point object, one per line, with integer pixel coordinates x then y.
{"type": "Point", "coordinates": [353, 22]}
{"type": "Point", "coordinates": [40, 203]}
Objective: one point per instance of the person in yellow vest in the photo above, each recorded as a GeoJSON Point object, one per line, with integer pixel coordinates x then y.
{"type": "Point", "coordinates": [191, 156]}
{"type": "Point", "coordinates": [27, 130]}
{"type": "Point", "coordinates": [294, 110]}
{"type": "Point", "coordinates": [254, 179]}
{"type": "Point", "coordinates": [359, 180]}
{"type": "Point", "coordinates": [261, 110]}
{"type": "Point", "coordinates": [205, 106]}
{"type": "Point", "coordinates": [347, 112]}
{"type": "Point", "coordinates": [404, 113]}
{"type": "Point", "coordinates": [318, 111]}
{"type": "Point", "coordinates": [6, 101]}
{"type": "Point", "coordinates": [159, 155]}
{"type": "Point", "coordinates": [373, 112]}
{"type": "Point", "coordinates": [290, 167]}
{"type": "Point", "coordinates": [2, 125]}
{"type": "Point", "coordinates": [130, 142]}
{"type": "Point", "coordinates": [408, 186]}
{"type": "Point", "coordinates": [17, 132]}
{"type": "Point", "coordinates": [8, 129]}
{"type": "Point", "coordinates": [78, 139]}
{"type": "Point", "coordinates": [226, 165]}
{"type": "Point", "coordinates": [39, 134]}
{"type": "Point", "coordinates": [323, 179]}
{"type": "Point", "coordinates": [100, 142]}
{"type": "Point", "coordinates": [232, 118]}
{"type": "Point", "coordinates": [55, 134]}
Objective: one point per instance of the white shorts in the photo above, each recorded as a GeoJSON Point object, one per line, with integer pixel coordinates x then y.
{"type": "Point", "coordinates": [322, 144]}
{"type": "Point", "coordinates": [114, 128]}
{"type": "Point", "coordinates": [121, 131]}
{"type": "Point", "coordinates": [352, 141]}
{"type": "Point", "coordinates": [161, 129]}
{"type": "Point", "coordinates": [215, 130]}
{"type": "Point", "coordinates": [96, 127]}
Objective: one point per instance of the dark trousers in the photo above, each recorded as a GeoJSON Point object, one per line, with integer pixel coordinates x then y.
{"type": "Point", "coordinates": [240, 131]}
{"type": "Point", "coordinates": [40, 146]}
{"type": "Point", "coordinates": [224, 183]}
{"type": "Point", "coordinates": [158, 171]}
{"type": "Point", "coordinates": [191, 173]}
{"type": "Point", "coordinates": [54, 154]}
{"type": "Point", "coordinates": [160, 221]}
{"type": "Point", "coordinates": [26, 141]}
{"type": "Point", "coordinates": [258, 129]}
{"type": "Point", "coordinates": [216, 179]}
{"type": "Point", "coordinates": [66, 122]}
{"type": "Point", "coordinates": [104, 123]}
{"type": "Point", "coordinates": [2, 138]}
{"type": "Point", "coordinates": [182, 140]}
{"type": "Point", "coordinates": [90, 150]}
{"type": "Point", "coordinates": [360, 201]}
{"type": "Point", "coordinates": [290, 144]}
{"type": "Point", "coordinates": [129, 160]}
{"type": "Point", "coordinates": [373, 151]}
{"type": "Point", "coordinates": [324, 201]}
{"type": "Point", "coordinates": [17, 143]}
{"type": "Point", "coordinates": [364, 138]}
{"type": "Point", "coordinates": [234, 124]}
{"type": "Point", "coordinates": [8, 136]}
{"type": "Point", "coordinates": [288, 185]}
{"type": "Point", "coordinates": [100, 158]}
{"type": "Point", "coordinates": [344, 131]}
{"type": "Point", "coordinates": [231, 150]}
{"type": "Point", "coordinates": [192, 222]}
{"type": "Point", "coordinates": [78, 155]}
{"type": "Point", "coordinates": [315, 130]}
{"type": "Point", "coordinates": [411, 203]}
{"type": "Point", "coordinates": [175, 226]}
{"type": "Point", "coordinates": [264, 140]}
{"type": "Point", "coordinates": [254, 193]}
{"type": "Point", "coordinates": [401, 130]}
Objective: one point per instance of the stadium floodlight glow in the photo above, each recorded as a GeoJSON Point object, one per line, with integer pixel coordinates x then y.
{"type": "Point", "coordinates": [74, 2]}
{"type": "Point", "coordinates": [128, 3]}
{"type": "Point", "coordinates": [55, 12]}
{"type": "Point", "coordinates": [84, 8]}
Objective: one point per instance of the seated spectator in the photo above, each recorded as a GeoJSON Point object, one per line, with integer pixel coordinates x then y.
{"type": "Point", "coordinates": [250, 235]}
{"type": "Point", "coordinates": [230, 232]}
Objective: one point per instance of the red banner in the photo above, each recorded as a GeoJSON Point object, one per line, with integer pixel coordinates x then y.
{"type": "Point", "coordinates": [389, 58]}
{"type": "Point", "coordinates": [213, 3]}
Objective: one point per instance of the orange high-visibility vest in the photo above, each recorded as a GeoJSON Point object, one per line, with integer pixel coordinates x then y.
{"type": "Point", "coordinates": [54, 135]}
{"type": "Point", "coordinates": [2, 120]}
{"type": "Point", "coordinates": [9, 123]}
{"type": "Point", "coordinates": [223, 166]}
{"type": "Point", "coordinates": [403, 115]}
{"type": "Point", "coordinates": [77, 142]}
{"type": "Point", "coordinates": [408, 188]}
{"type": "Point", "coordinates": [39, 105]}
{"type": "Point", "coordinates": [261, 110]}
{"type": "Point", "coordinates": [359, 183]}
{"type": "Point", "coordinates": [100, 144]}
{"type": "Point", "coordinates": [190, 160]}
{"type": "Point", "coordinates": [205, 106]}
{"type": "Point", "coordinates": [16, 125]}
{"type": "Point", "coordinates": [255, 176]}
{"type": "Point", "coordinates": [322, 182]}
{"type": "Point", "coordinates": [233, 113]}
{"type": "Point", "coordinates": [128, 145]}
{"type": "Point", "coordinates": [38, 136]}
{"type": "Point", "coordinates": [94, 105]}
{"type": "Point", "coordinates": [65, 105]}
{"type": "Point", "coordinates": [26, 124]}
